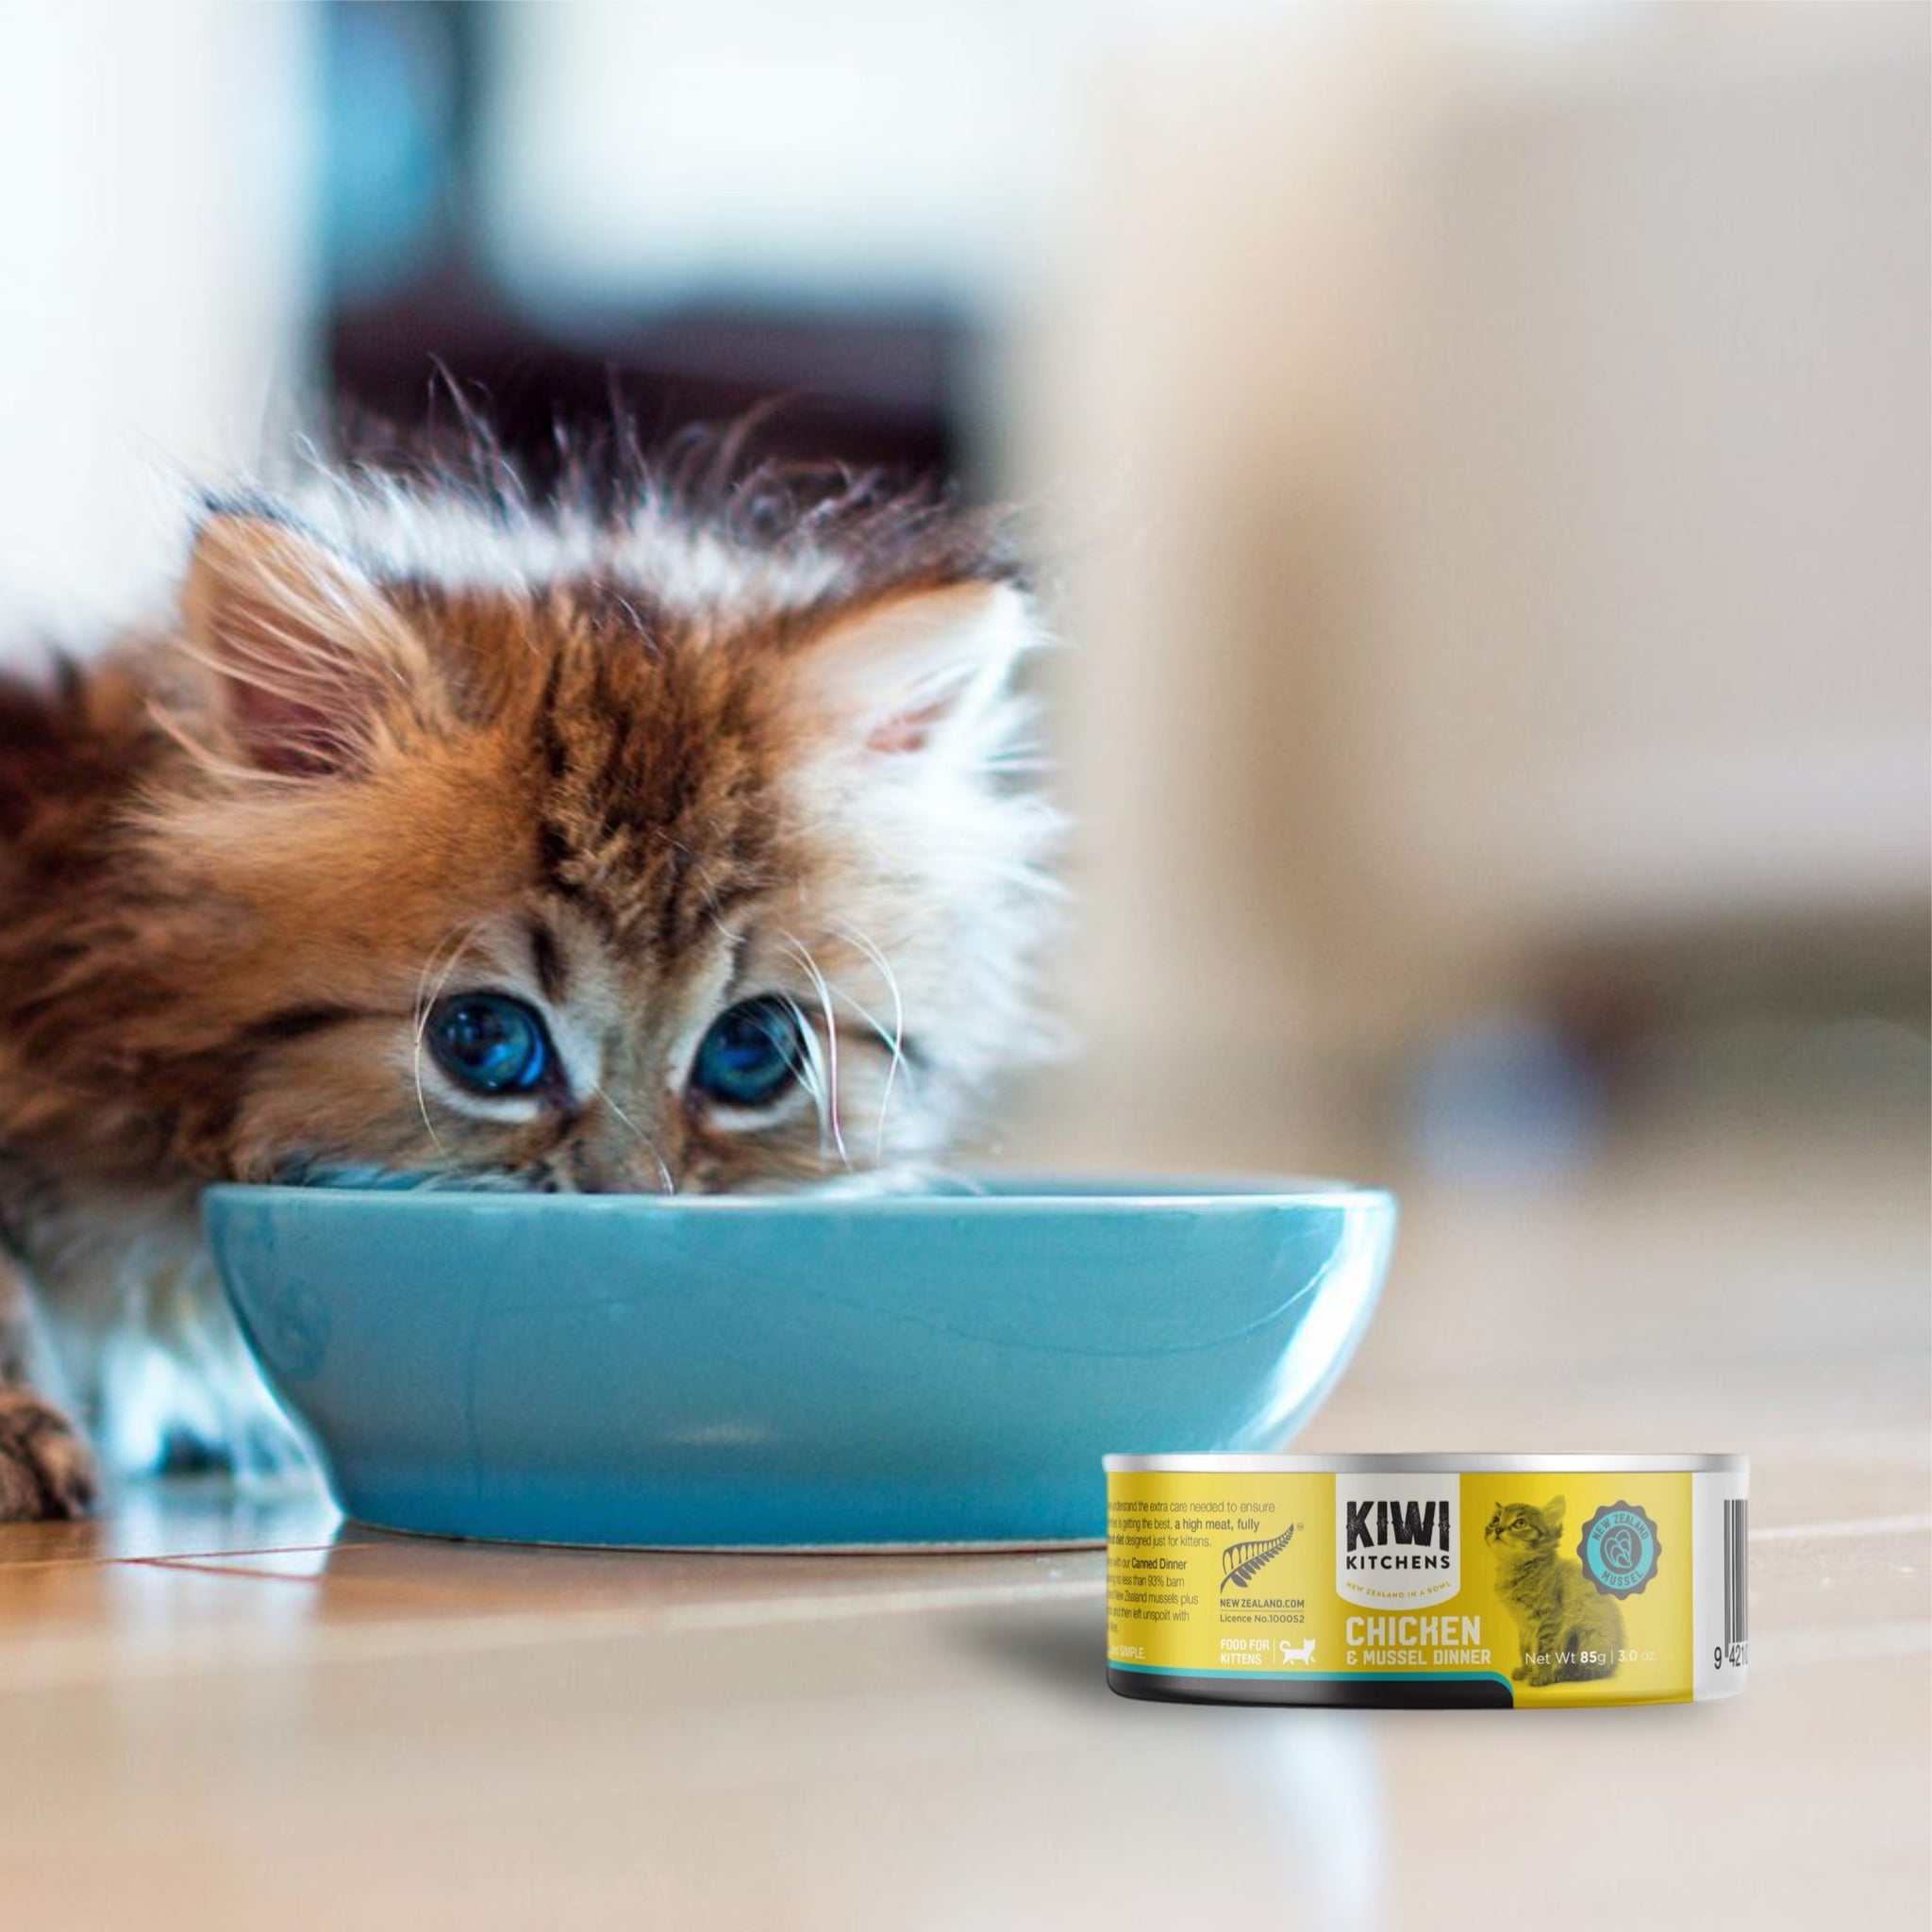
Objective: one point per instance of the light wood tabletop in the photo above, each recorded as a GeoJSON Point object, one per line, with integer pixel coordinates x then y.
{"type": "Point", "coordinates": [222, 1710]}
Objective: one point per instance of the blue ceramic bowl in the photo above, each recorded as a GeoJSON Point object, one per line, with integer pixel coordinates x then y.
{"type": "Point", "coordinates": [790, 1370]}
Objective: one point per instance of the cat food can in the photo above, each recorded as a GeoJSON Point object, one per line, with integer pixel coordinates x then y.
{"type": "Point", "coordinates": [1439, 1581]}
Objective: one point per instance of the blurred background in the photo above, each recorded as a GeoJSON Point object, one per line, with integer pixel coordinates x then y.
{"type": "Point", "coordinates": [1479, 456]}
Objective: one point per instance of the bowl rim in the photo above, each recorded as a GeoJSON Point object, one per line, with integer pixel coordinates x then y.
{"type": "Point", "coordinates": [1024, 1193]}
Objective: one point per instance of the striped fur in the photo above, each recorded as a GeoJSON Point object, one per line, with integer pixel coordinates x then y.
{"type": "Point", "coordinates": [631, 761]}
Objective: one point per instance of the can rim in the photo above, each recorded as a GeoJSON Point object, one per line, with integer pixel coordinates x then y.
{"type": "Point", "coordinates": [1478, 1462]}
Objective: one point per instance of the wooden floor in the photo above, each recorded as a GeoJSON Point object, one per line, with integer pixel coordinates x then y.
{"type": "Point", "coordinates": [221, 1712]}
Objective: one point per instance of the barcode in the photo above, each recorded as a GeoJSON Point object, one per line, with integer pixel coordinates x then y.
{"type": "Point", "coordinates": [1737, 1593]}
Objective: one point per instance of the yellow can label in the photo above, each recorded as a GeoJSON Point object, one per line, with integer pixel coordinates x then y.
{"type": "Point", "coordinates": [1529, 1589]}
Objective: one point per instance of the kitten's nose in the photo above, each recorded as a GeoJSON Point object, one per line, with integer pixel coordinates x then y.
{"type": "Point", "coordinates": [642, 1173]}
{"type": "Point", "coordinates": [622, 1161]}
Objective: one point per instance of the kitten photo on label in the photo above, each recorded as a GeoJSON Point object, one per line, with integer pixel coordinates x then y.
{"type": "Point", "coordinates": [436, 838]}
{"type": "Point", "coordinates": [1568, 1632]}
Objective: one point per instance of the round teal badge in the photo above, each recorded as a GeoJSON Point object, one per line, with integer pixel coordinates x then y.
{"type": "Point", "coordinates": [1619, 1549]}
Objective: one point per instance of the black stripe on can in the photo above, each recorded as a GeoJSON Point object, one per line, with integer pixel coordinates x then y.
{"type": "Point", "coordinates": [1353, 1693]}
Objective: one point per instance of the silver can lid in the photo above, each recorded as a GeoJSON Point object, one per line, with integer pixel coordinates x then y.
{"type": "Point", "coordinates": [1477, 1462]}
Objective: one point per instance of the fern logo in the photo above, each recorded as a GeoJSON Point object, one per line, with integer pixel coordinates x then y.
{"type": "Point", "coordinates": [1241, 1562]}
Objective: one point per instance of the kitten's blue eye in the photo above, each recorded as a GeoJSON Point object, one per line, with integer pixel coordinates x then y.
{"type": "Point", "coordinates": [488, 1043]}
{"type": "Point", "coordinates": [752, 1054]}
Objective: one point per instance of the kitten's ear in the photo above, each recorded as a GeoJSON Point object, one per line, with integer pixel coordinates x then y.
{"type": "Point", "coordinates": [922, 672]}
{"type": "Point", "coordinates": [307, 654]}
{"type": "Point", "coordinates": [1554, 1511]}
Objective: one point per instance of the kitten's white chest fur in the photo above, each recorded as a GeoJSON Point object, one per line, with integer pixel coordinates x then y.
{"type": "Point", "coordinates": [141, 1340]}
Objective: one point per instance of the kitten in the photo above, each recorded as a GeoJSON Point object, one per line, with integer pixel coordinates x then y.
{"type": "Point", "coordinates": [1559, 1613]}
{"type": "Point", "coordinates": [679, 847]}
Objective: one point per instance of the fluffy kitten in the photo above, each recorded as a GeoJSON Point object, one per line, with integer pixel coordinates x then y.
{"type": "Point", "coordinates": [679, 847]}
{"type": "Point", "coordinates": [1559, 1612]}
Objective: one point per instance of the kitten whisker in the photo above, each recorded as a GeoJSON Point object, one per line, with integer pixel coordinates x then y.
{"type": "Point", "coordinates": [827, 1006]}
{"type": "Point", "coordinates": [895, 1040]}
{"type": "Point", "coordinates": [812, 1075]}
{"type": "Point", "coordinates": [425, 1003]}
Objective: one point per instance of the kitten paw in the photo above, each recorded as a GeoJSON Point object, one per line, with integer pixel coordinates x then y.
{"type": "Point", "coordinates": [46, 1470]}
